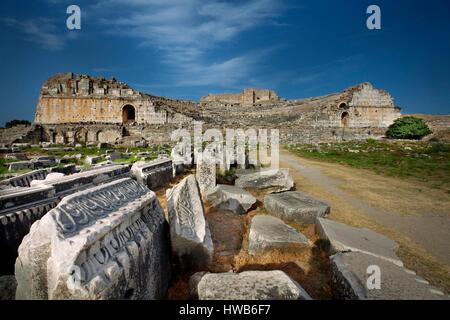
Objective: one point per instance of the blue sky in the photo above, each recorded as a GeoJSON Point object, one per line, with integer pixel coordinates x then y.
{"type": "Point", "coordinates": [187, 49]}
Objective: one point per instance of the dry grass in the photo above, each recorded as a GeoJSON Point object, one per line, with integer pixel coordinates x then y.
{"type": "Point", "coordinates": [381, 192]}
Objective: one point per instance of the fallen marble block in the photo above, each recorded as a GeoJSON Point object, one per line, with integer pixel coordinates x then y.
{"type": "Point", "coordinates": [354, 277]}
{"type": "Point", "coordinates": [274, 180]}
{"type": "Point", "coordinates": [189, 231]}
{"type": "Point", "coordinates": [25, 179]}
{"type": "Point", "coordinates": [16, 156]}
{"type": "Point", "coordinates": [20, 207]}
{"type": "Point", "coordinates": [153, 173]}
{"type": "Point", "coordinates": [293, 206]}
{"type": "Point", "coordinates": [268, 233]}
{"type": "Point", "coordinates": [343, 238]}
{"type": "Point", "coordinates": [107, 242]}
{"type": "Point", "coordinates": [248, 285]}
{"type": "Point", "coordinates": [8, 286]}
{"type": "Point", "coordinates": [231, 198]}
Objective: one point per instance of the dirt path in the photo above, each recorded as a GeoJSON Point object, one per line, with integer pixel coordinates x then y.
{"type": "Point", "coordinates": [426, 224]}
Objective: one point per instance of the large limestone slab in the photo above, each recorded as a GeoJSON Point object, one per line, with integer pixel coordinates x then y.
{"type": "Point", "coordinates": [274, 180]}
{"type": "Point", "coordinates": [231, 198]}
{"type": "Point", "coordinates": [249, 285]}
{"type": "Point", "coordinates": [206, 173]}
{"type": "Point", "coordinates": [343, 238]}
{"type": "Point", "coordinates": [267, 233]}
{"type": "Point", "coordinates": [294, 206]}
{"type": "Point", "coordinates": [107, 242]}
{"type": "Point", "coordinates": [350, 276]}
{"type": "Point", "coordinates": [189, 231]}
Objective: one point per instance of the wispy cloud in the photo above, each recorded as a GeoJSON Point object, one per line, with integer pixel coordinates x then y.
{"type": "Point", "coordinates": [186, 33]}
{"type": "Point", "coordinates": [42, 31]}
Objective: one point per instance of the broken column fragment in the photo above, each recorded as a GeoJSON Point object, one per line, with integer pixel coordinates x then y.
{"type": "Point", "coordinates": [189, 231]}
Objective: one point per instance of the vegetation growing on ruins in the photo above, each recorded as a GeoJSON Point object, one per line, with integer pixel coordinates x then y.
{"type": "Point", "coordinates": [427, 162]}
{"type": "Point", "coordinates": [408, 128]}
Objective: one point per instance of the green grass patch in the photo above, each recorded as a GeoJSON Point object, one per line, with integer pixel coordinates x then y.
{"type": "Point", "coordinates": [423, 161]}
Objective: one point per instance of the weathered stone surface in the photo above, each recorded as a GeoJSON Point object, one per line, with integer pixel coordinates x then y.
{"type": "Point", "coordinates": [249, 285]}
{"type": "Point", "coordinates": [21, 165]}
{"type": "Point", "coordinates": [153, 173]}
{"type": "Point", "coordinates": [293, 206]}
{"type": "Point", "coordinates": [274, 180]}
{"type": "Point", "coordinates": [24, 180]}
{"type": "Point", "coordinates": [189, 231]}
{"type": "Point", "coordinates": [268, 233]}
{"type": "Point", "coordinates": [16, 156]}
{"type": "Point", "coordinates": [206, 173]}
{"type": "Point", "coordinates": [21, 207]}
{"type": "Point", "coordinates": [350, 276]}
{"type": "Point", "coordinates": [114, 156]}
{"type": "Point", "coordinates": [342, 238]}
{"type": "Point", "coordinates": [107, 242]}
{"type": "Point", "coordinates": [50, 177]}
{"type": "Point", "coordinates": [231, 198]}
{"type": "Point", "coordinates": [8, 287]}
{"type": "Point", "coordinates": [44, 162]}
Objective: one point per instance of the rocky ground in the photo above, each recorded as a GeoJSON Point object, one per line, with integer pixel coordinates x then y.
{"type": "Point", "coordinates": [309, 230]}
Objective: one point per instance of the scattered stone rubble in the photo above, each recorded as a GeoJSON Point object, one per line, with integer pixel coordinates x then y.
{"type": "Point", "coordinates": [20, 207]}
{"type": "Point", "coordinates": [97, 234]}
{"type": "Point", "coordinates": [108, 242]}
{"type": "Point", "coordinates": [294, 206]}
{"type": "Point", "coordinates": [350, 274]}
{"type": "Point", "coordinates": [343, 238]}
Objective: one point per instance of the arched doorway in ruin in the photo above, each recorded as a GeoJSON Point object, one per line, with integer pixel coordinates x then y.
{"type": "Point", "coordinates": [345, 119]}
{"type": "Point", "coordinates": [128, 114]}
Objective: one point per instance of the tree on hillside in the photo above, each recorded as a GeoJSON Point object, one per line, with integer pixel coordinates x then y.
{"type": "Point", "coordinates": [13, 123]}
{"type": "Point", "coordinates": [408, 128]}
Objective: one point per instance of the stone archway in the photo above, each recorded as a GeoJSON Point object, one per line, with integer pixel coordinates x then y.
{"type": "Point", "coordinates": [345, 119]}
{"type": "Point", "coordinates": [128, 114]}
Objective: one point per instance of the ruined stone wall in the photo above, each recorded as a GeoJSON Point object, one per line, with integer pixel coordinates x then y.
{"type": "Point", "coordinates": [232, 98]}
{"type": "Point", "coordinates": [252, 96]}
{"type": "Point", "coordinates": [69, 98]}
{"type": "Point", "coordinates": [247, 97]}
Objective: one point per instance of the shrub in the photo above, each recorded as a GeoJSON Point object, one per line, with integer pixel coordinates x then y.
{"type": "Point", "coordinates": [408, 128]}
{"type": "Point", "coordinates": [13, 123]}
